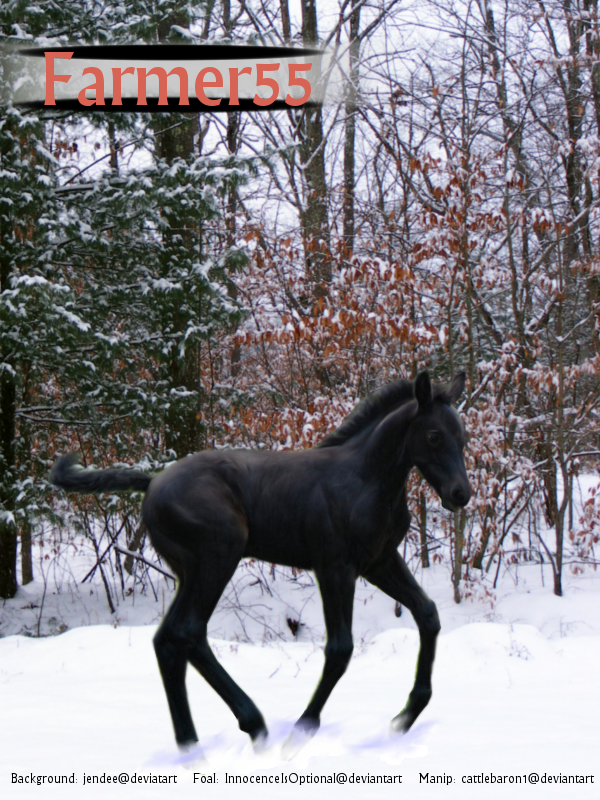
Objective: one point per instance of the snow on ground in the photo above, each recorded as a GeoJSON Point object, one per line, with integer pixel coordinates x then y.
{"type": "Point", "coordinates": [257, 603]}
{"type": "Point", "coordinates": [516, 693]}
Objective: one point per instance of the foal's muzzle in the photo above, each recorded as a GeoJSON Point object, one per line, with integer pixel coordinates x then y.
{"type": "Point", "coordinates": [458, 497]}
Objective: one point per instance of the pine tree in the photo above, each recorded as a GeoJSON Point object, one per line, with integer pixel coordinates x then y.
{"type": "Point", "coordinates": [111, 287]}
{"type": "Point", "coordinates": [31, 316]}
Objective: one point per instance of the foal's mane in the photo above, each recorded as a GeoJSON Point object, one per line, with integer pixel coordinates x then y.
{"type": "Point", "coordinates": [376, 406]}
{"type": "Point", "coordinates": [371, 408]}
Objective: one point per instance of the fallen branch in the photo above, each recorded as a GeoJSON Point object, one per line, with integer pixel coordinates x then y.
{"type": "Point", "coordinates": [145, 561]}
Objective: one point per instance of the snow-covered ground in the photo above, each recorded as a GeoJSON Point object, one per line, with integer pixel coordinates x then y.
{"type": "Point", "coordinates": [516, 694]}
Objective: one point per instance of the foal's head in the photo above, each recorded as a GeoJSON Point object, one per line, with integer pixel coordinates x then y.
{"type": "Point", "coordinates": [436, 440]}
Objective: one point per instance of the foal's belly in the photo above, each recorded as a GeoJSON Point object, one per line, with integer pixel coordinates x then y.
{"type": "Point", "coordinates": [283, 510]}
{"type": "Point", "coordinates": [278, 539]}
{"type": "Point", "coordinates": [287, 557]}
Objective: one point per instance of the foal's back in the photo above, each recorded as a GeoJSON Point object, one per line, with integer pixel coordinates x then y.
{"type": "Point", "coordinates": [274, 506]}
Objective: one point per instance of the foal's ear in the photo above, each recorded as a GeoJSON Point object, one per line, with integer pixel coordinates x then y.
{"type": "Point", "coordinates": [423, 391]}
{"type": "Point", "coordinates": [456, 388]}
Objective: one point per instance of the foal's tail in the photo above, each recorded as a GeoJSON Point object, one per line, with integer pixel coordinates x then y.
{"type": "Point", "coordinates": [67, 474]}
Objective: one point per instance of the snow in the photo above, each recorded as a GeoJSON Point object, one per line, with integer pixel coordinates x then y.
{"type": "Point", "coordinates": [515, 693]}
{"type": "Point", "coordinates": [507, 701]}
{"type": "Point", "coordinates": [74, 318]}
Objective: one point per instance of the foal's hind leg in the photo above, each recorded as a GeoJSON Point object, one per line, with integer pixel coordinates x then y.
{"type": "Point", "coordinates": [394, 578]}
{"type": "Point", "coordinates": [337, 591]}
{"type": "Point", "coordinates": [182, 637]}
{"type": "Point", "coordinates": [170, 649]}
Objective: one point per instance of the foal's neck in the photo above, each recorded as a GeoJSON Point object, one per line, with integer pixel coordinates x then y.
{"type": "Point", "coordinates": [384, 453]}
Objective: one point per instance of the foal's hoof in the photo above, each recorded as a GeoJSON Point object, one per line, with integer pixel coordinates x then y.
{"type": "Point", "coordinates": [302, 732]}
{"type": "Point", "coordinates": [401, 724]}
{"type": "Point", "coordinates": [259, 741]}
{"type": "Point", "coordinates": [417, 701]}
{"type": "Point", "coordinates": [191, 756]}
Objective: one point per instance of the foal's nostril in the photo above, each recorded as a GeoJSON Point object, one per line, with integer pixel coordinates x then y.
{"type": "Point", "coordinates": [459, 496]}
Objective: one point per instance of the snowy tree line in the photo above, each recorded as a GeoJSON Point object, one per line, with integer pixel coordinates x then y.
{"type": "Point", "coordinates": [170, 282]}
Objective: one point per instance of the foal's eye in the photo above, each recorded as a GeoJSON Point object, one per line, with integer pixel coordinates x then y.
{"type": "Point", "coordinates": [434, 437]}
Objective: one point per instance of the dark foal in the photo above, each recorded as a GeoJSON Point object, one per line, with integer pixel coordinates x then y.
{"type": "Point", "coordinates": [338, 509]}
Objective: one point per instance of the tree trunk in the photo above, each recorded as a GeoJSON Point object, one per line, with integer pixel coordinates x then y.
{"type": "Point", "coordinates": [314, 217]}
{"type": "Point", "coordinates": [285, 21]}
{"type": "Point", "coordinates": [8, 391]}
{"type": "Point", "coordinates": [560, 535]}
{"type": "Point", "coordinates": [183, 428]}
{"type": "Point", "coordinates": [26, 559]}
{"type": "Point", "coordinates": [113, 146]}
{"type": "Point", "coordinates": [483, 543]}
{"type": "Point", "coordinates": [423, 530]}
{"type": "Point", "coordinates": [8, 559]}
{"type": "Point", "coordinates": [134, 545]}
{"type": "Point", "coordinates": [8, 529]}
{"type": "Point", "coordinates": [460, 520]}
{"type": "Point", "coordinates": [350, 132]}
{"type": "Point", "coordinates": [593, 51]}
{"type": "Point", "coordinates": [233, 142]}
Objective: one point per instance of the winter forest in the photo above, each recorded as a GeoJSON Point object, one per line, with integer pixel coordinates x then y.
{"type": "Point", "coordinates": [171, 282]}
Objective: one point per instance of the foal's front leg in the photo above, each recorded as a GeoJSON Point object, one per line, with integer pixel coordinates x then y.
{"type": "Point", "coordinates": [337, 591]}
{"type": "Point", "coordinates": [394, 578]}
